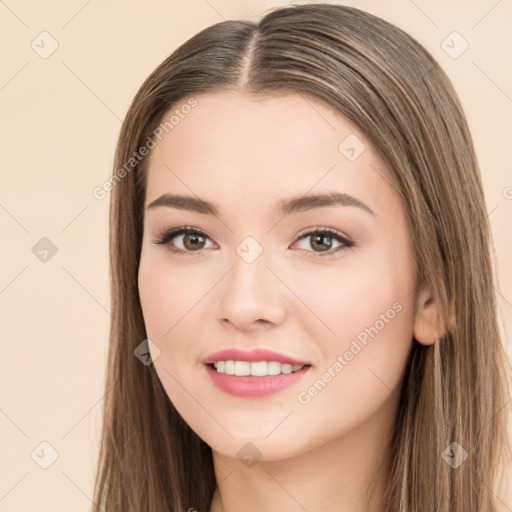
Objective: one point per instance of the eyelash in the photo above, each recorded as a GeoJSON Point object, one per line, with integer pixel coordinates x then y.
{"type": "Point", "coordinates": [166, 237]}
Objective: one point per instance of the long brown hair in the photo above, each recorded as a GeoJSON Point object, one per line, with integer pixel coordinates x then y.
{"type": "Point", "coordinates": [392, 88]}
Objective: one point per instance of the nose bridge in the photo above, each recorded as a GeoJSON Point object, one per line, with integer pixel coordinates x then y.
{"type": "Point", "coordinates": [249, 276]}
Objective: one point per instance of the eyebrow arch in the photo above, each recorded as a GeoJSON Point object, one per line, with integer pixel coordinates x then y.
{"type": "Point", "coordinates": [284, 207]}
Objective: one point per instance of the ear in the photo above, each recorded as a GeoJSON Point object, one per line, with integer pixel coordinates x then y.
{"type": "Point", "coordinates": [428, 326]}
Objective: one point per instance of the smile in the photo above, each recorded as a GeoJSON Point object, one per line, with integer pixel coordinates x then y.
{"type": "Point", "coordinates": [254, 379]}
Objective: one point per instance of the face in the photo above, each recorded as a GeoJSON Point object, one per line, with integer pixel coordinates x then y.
{"type": "Point", "coordinates": [326, 283]}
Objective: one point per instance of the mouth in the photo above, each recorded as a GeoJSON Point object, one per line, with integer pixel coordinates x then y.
{"type": "Point", "coordinates": [254, 373]}
{"type": "Point", "coordinates": [254, 379]}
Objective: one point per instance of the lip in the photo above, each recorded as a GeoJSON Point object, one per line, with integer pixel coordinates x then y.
{"type": "Point", "coordinates": [252, 386]}
{"type": "Point", "coordinates": [258, 354]}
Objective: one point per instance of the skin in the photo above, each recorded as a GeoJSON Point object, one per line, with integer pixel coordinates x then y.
{"type": "Point", "coordinates": [245, 154]}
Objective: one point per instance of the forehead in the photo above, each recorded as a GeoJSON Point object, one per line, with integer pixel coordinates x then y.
{"type": "Point", "coordinates": [257, 149]}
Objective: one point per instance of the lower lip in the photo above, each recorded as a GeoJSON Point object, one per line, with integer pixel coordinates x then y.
{"type": "Point", "coordinates": [254, 386]}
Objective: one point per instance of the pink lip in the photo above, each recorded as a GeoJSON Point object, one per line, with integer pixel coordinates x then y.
{"type": "Point", "coordinates": [254, 386]}
{"type": "Point", "coordinates": [258, 354]}
{"type": "Point", "coordinates": [251, 386]}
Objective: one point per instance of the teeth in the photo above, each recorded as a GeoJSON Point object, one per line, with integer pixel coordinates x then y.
{"type": "Point", "coordinates": [257, 369]}
{"type": "Point", "coordinates": [242, 368]}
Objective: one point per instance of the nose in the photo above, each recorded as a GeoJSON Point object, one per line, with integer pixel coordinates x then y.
{"type": "Point", "coordinates": [252, 296]}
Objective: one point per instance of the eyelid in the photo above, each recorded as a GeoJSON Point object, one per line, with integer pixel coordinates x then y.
{"type": "Point", "coordinates": [323, 229]}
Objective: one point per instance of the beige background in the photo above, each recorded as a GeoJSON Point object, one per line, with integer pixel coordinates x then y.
{"type": "Point", "coordinates": [60, 120]}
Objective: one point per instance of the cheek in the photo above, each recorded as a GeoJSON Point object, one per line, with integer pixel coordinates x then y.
{"type": "Point", "coordinates": [168, 294]}
{"type": "Point", "coordinates": [344, 303]}
{"type": "Point", "coordinates": [174, 298]}
{"type": "Point", "coordinates": [369, 311]}
{"type": "Point", "coordinates": [158, 298]}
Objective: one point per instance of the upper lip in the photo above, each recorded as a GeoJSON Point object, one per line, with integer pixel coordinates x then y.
{"type": "Point", "coordinates": [258, 354]}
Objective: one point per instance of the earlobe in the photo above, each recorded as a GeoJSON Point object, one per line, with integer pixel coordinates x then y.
{"type": "Point", "coordinates": [428, 324]}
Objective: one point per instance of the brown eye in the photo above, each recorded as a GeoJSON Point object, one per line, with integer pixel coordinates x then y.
{"type": "Point", "coordinates": [321, 241]}
{"type": "Point", "coordinates": [192, 240]}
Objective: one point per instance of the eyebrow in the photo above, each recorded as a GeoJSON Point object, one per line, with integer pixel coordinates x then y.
{"type": "Point", "coordinates": [284, 207]}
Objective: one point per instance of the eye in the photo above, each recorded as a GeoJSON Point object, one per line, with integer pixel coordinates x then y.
{"type": "Point", "coordinates": [322, 239]}
{"type": "Point", "coordinates": [193, 239]}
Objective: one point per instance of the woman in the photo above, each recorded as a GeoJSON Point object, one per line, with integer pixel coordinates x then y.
{"type": "Point", "coordinates": [303, 299]}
